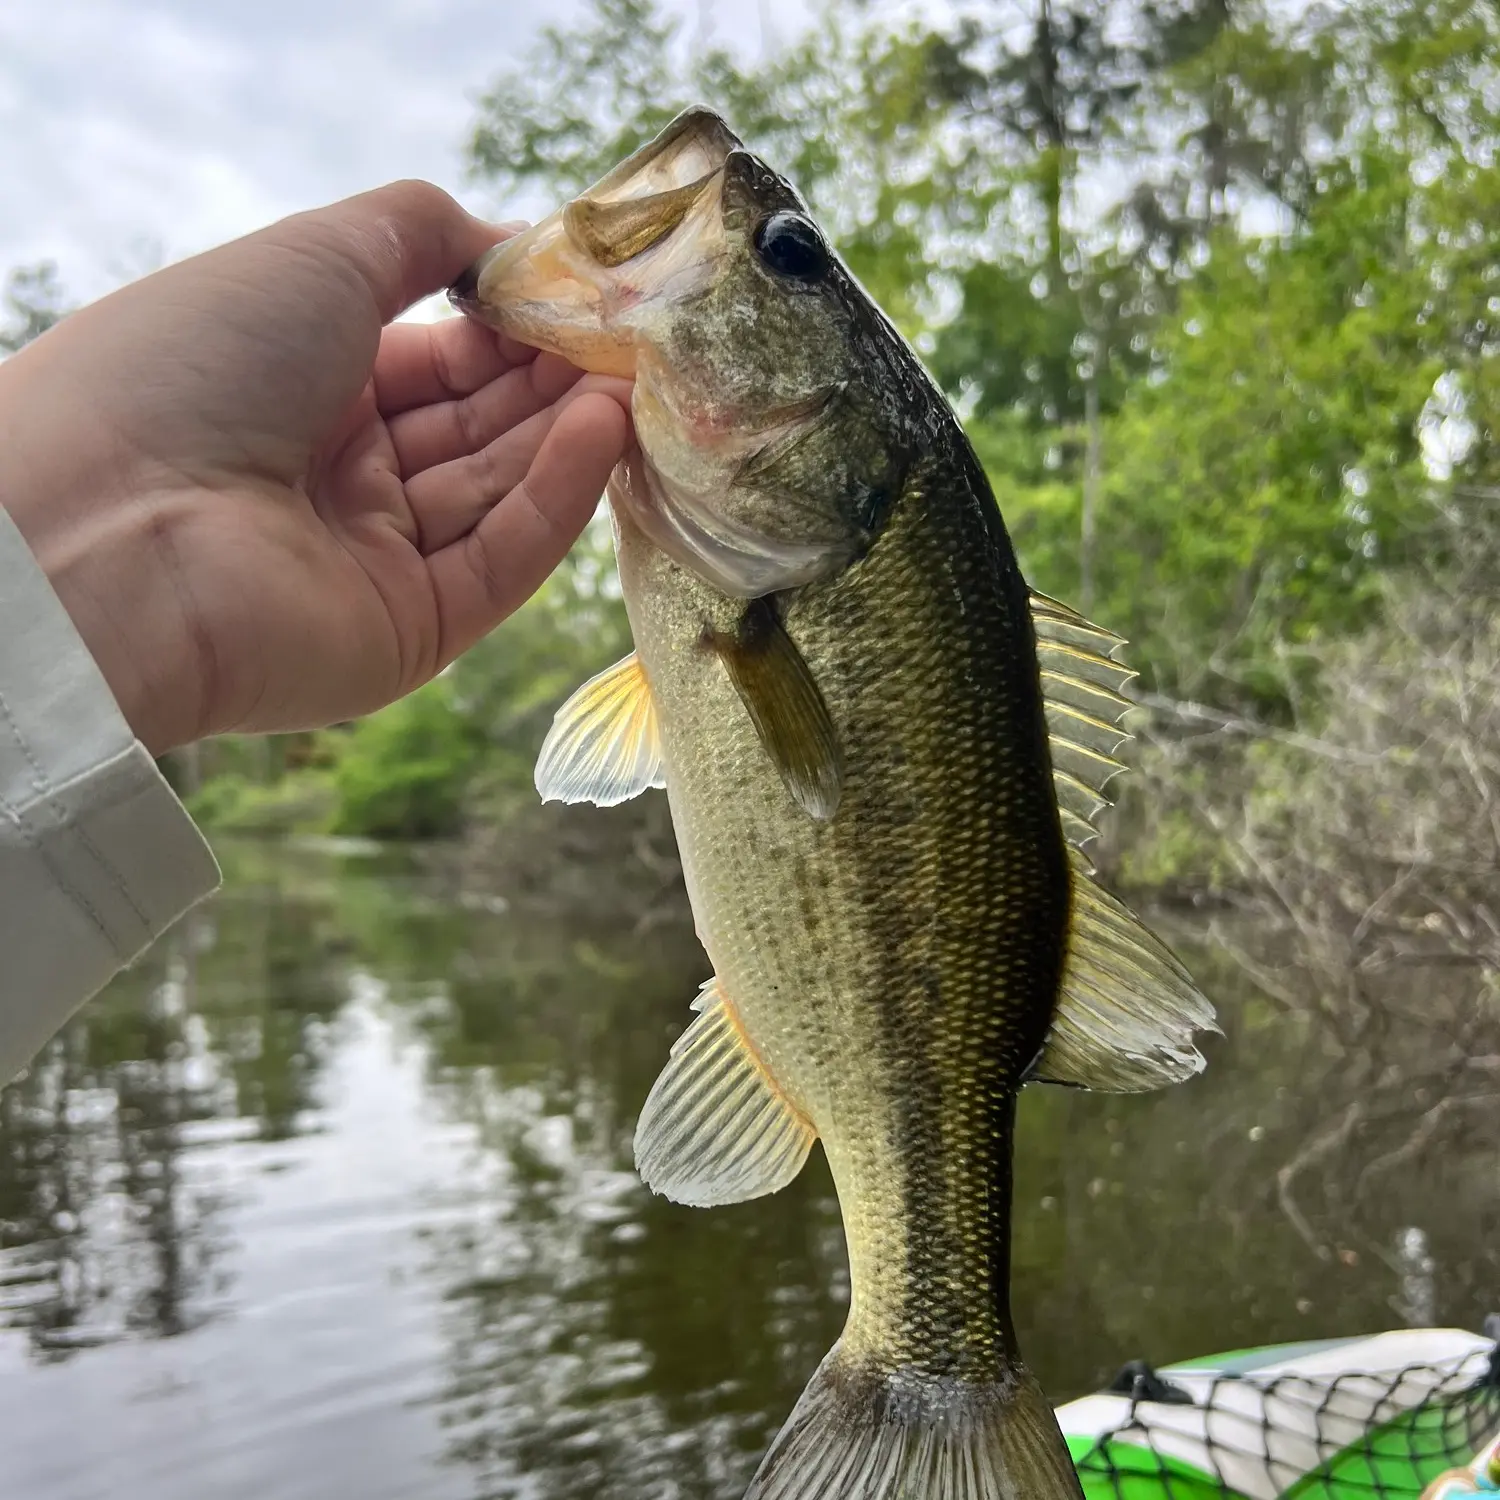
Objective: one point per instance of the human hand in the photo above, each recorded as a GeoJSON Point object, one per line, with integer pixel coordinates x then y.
{"type": "Point", "coordinates": [264, 508]}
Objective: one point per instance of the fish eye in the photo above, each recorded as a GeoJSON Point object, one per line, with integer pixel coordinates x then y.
{"type": "Point", "coordinates": [790, 246]}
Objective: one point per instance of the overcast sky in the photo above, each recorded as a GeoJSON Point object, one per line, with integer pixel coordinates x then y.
{"type": "Point", "coordinates": [136, 131]}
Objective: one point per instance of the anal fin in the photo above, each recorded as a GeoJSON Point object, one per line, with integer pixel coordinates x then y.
{"type": "Point", "coordinates": [603, 746]}
{"type": "Point", "coordinates": [716, 1127]}
{"type": "Point", "coordinates": [1127, 1009]}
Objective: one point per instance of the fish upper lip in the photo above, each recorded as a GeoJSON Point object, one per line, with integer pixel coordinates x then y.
{"type": "Point", "coordinates": [710, 143]}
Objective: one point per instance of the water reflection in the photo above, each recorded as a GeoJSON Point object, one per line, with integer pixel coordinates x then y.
{"type": "Point", "coordinates": [107, 1228]}
{"type": "Point", "coordinates": [604, 1343]}
{"type": "Point", "coordinates": [347, 1167]}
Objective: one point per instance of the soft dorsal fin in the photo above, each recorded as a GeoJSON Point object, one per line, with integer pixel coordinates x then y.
{"type": "Point", "coordinates": [716, 1127]}
{"type": "Point", "coordinates": [1127, 1009]}
{"type": "Point", "coordinates": [786, 707]}
{"type": "Point", "coordinates": [1081, 685]}
{"type": "Point", "coordinates": [603, 746]}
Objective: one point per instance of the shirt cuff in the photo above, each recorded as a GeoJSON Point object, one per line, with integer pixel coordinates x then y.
{"type": "Point", "coordinates": [97, 855]}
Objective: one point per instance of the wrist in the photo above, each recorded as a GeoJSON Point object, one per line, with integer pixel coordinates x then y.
{"type": "Point", "coordinates": [104, 532]}
{"type": "Point", "coordinates": [111, 564]}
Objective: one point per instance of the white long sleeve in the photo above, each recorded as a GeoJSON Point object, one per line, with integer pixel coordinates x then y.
{"type": "Point", "coordinates": [97, 855]}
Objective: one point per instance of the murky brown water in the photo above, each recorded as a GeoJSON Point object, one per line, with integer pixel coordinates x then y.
{"type": "Point", "coordinates": [333, 1197]}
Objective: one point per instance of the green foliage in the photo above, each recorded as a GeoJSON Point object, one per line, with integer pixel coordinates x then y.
{"type": "Point", "coordinates": [34, 301]}
{"type": "Point", "coordinates": [1261, 485]}
{"type": "Point", "coordinates": [297, 804]}
{"type": "Point", "coordinates": [589, 94]}
{"type": "Point", "coordinates": [402, 773]}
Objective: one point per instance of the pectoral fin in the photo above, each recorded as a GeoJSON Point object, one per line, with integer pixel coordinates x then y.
{"type": "Point", "coordinates": [716, 1127]}
{"type": "Point", "coordinates": [786, 707]}
{"type": "Point", "coordinates": [1128, 1009]}
{"type": "Point", "coordinates": [603, 746]}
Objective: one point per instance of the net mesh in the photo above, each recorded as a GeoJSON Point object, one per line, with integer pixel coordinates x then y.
{"type": "Point", "coordinates": [1250, 1436]}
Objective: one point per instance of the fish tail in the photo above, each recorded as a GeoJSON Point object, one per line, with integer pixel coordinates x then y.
{"type": "Point", "coordinates": [864, 1435]}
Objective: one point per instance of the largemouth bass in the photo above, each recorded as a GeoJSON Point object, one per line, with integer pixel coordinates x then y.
{"type": "Point", "coordinates": [879, 748]}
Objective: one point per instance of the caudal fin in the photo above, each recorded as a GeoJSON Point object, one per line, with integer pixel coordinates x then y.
{"type": "Point", "coordinates": [855, 1435]}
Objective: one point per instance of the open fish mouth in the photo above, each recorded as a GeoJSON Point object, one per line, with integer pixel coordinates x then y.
{"type": "Point", "coordinates": [654, 275]}
{"type": "Point", "coordinates": [586, 280]}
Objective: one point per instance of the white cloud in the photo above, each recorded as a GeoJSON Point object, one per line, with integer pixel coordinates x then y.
{"type": "Point", "coordinates": [140, 131]}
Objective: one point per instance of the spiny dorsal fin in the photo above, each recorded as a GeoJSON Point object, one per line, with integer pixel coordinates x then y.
{"type": "Point", "coordinates": [1127, 1009]}
{"type": "Point", "coordinates": [1081, 686]}
{"type": "Point", "coordinates": [603, 746]}
{"type": "Point", "coordinates": [716, 1127]}
{"type": "Point", "coordinates": [786, 707]}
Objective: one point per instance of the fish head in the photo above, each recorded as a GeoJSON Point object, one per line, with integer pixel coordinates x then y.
{"type": "Point", "coordinates": [766, 456]}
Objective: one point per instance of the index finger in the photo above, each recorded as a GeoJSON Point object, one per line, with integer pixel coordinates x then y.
{"type": "Point", "coordinates": [423, 364]}
{"type": "Point", "coordinates": [494, 568]}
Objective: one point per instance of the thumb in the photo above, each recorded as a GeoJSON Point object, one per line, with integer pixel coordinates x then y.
{"type": "Point", "coordinates": [406, 240]}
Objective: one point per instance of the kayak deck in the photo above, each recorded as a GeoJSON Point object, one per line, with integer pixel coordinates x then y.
{"type": "Point", "coordinates": [1375, 1418]}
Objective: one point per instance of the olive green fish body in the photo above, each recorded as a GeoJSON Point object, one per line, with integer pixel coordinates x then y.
{"type": "Point", "coordinates": [895, 968]}
{"type": "Point", "coordinates": [878, 745]}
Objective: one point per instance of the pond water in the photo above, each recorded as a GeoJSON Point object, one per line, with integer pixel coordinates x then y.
{"type": "Point", "coordinates": [333, 1197]}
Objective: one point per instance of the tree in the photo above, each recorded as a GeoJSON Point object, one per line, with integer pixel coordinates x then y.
{"type": "Point", "coordinates": [1274, 469]}
{"type": "Point", "coordinates": [586, 96]}
{"type": "Point", "coordinates": [1047, 329]}
{"type": "Point", "coordinates": [34, 301]}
